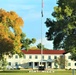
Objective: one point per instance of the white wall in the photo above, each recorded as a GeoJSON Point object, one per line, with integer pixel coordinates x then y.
{"type": "Point", "coordinates": [24, 61]}
{"type": "Point", "coordinates": [71, 64]}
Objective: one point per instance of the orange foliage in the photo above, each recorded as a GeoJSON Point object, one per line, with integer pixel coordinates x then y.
{"type": "Point", "coordinates": [34, 48]}
{"type": "Point", "coordinates": [19, 21]}
{"type": "Point", "coordinates": [7, 20]}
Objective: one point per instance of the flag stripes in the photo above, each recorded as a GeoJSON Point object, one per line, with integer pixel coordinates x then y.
{"type": "Point", "coordinates": [42, 9]}
{"type": "Point", "coordinates": [42, 4]}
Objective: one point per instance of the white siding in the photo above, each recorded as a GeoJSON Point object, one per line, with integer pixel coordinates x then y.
{"type": "Point", "coordinates": [72, 62]}
{"type": "Point", "coordinates": [24, 62]}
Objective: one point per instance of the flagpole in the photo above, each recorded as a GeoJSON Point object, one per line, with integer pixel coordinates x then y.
{"type": "Point", "coordinates": [41, 31]}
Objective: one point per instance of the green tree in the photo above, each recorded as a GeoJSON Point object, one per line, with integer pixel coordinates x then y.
{"type": "Point", "coordinates": [3, 64]}
{"type": "Point", "coordinates": [40, 46]}
{"type": "Point", "coordinates": [26, 42]}
{"type": "Point", "coordinates": [61, 61]}
{"type": "Point", "coordinates": [56, 63]}
{"type": "Point", "coordinates": [62, 29]}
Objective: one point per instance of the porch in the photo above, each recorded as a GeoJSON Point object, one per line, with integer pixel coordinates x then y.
{"type": "Point", "coordinates": [35, 64]}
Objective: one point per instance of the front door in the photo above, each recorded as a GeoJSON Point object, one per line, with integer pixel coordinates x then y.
{"type": "Point", "coordinates": [49, 65]}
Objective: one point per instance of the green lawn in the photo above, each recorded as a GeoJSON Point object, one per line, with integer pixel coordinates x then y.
{"type": "Point", "coordinates": [37, 73]}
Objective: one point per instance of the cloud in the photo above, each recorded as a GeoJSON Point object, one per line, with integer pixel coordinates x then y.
{"type": "Point", "coordinates": [45, 42]}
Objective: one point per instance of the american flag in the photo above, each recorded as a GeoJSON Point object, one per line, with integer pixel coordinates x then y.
{"type": "Point", "coordinates": [42, 4]}
{"type": "Point", "coordinates": [42, 8]}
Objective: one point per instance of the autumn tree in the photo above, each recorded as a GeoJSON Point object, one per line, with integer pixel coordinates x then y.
{"type": "Point", "coordinates": [34, 48]}
{"type": "Point", "coordinates": [62, 29]}
{"type": "Point", "coordinates": [26, 42]}
{"type": "Point", "coordinates": [10, 31]}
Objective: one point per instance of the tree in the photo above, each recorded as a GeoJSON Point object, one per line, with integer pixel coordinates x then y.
{"type": "Point", "coordinates": [61, 61]}
{"type": "Point", "coordinates": [34, 48]}
{"type": "Point", "coordinates": [4, 64]}
{"type": "Point", "coordinates": [10, 31]}
{"type": "Point", "coordinates": [6, 46]}
{"type": "Point", "coordinates": [62, 29]}
{"type": "Point", "coordinates": [26, 42]}
{"type": "Point", "coordinates": [40, 46]}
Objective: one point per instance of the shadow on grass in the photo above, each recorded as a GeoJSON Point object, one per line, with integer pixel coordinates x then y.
{"type": "Point", "coordinates": [14, 71]}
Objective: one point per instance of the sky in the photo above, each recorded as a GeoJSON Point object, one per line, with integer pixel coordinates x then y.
{"type": "Point", "coordinates": [30, 12]}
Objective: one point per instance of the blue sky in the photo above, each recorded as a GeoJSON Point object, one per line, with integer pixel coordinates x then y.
{"type": "Point", "coordinates": [30, 12]}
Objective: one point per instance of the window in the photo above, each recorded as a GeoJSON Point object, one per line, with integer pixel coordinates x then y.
{"type": "Point", "coordinates": [49, 64]}
{"type": "Point", "coordinates": [69, 57]}
{"type": "Point", "coordinates": [9, 63]}
{"type": "Point", "coordinates": [16, 56]}
{"type": "Point", "coordinates": [49, 57]}
{"type": "Point", "coordinates": [30, 63]}
{"type": "Point", "coordinates": [42, 57]}
{"type": "Point", "coordinates": [30, 57]}
{"type": "Point", "coordinates": [75, 64]}
{"type": "Point", "coordinates": [16, 63]}
{"type": "Point", "coordinates": [69, 64]}
{"type": "Point", "coordinates": [55, 57]}
{"type": "Point", "coordinates": [36, 57]}
{"type": "Point", "coordinates": [36, 64]}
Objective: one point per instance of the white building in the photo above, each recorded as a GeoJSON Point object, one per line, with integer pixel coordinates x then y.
{"type": "Point", "coordinates": [33, 59]}
{"type": "Point", "coordinates": [71, 64]}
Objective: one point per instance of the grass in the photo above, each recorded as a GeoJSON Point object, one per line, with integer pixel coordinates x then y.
{"type": "Point", "coordinates": [35, 73]}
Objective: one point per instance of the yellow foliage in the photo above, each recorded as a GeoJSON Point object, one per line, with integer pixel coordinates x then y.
{"type": "Point", "coordinates": [19, 21]}
{"type": "Point", "coordinates": [34, 48]}
{"type": "Point", "coordinates": [7, 20]}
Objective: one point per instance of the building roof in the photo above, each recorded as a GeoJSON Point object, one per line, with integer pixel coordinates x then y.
{"type": "Point", "coordinates": [44, 51]}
